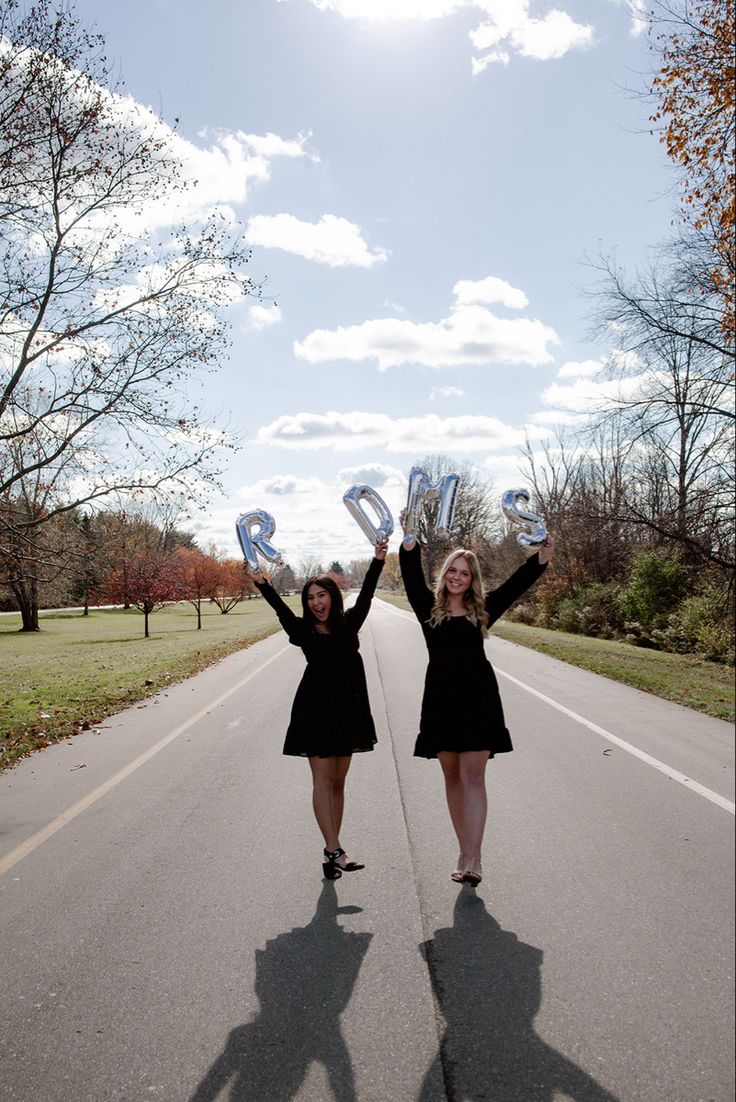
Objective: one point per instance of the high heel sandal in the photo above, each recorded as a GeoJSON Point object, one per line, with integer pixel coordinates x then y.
{"type": "Point", "coordinates": [459, 874]}
{"type": "Point", "coordinates": [330, 870]}
{"type": "Point", "coordinates": [336, 870]}
{"type": "Point", "coordinates": [473, 873]}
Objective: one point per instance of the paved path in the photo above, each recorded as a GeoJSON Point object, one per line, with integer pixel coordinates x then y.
{"type": "Point", "coordinates": [167, 934]}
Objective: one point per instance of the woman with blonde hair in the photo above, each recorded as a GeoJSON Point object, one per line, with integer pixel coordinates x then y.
{"type": "Point", "coordinates": [462, 722]}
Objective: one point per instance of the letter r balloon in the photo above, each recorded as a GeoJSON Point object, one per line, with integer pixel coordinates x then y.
{"type": "Point", "coordinates": [252, 541]}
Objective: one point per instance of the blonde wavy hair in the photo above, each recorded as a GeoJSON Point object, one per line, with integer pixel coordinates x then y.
{"type": "Point", "coordinates": [474, 597]}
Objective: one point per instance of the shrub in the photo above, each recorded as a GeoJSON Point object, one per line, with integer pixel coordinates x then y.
{"type": "Point", "coordinates": [658, 583]}
{"type": "Point", "coordinates": [701, 624]}
{"type": "Point", "coordinates": [591, 610]}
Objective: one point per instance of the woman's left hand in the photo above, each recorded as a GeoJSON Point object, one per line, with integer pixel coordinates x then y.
{"type": "Point", "coordinates": [382, 548]}
{"type": "Point", "coordinates": [547, 549]}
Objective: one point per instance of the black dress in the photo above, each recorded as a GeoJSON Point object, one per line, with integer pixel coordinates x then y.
{"type": "Point", "coordinates": [331, 713]}
{"type": "Point", "coordinates": [461, 706]}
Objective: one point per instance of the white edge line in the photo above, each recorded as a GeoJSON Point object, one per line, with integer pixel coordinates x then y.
{"type": "Point", "coordinates": [76, 809]}
{"type": "Point", "coordinates": [668, 771]}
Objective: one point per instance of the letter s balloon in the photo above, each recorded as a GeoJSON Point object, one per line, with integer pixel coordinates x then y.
{"type": "Point", "coordinates": [535, 530]}
{"type": "Point", "coordinates": [252, 541]}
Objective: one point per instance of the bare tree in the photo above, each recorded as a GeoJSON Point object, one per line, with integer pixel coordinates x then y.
{"type": "Point", "coordinates": [477, 521]}
{"type": "Point", "coordinates": [673, 413]}
{"type": "Point", "coordinates": [103, 317]}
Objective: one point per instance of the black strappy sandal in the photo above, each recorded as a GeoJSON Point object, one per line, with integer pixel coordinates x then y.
{"type": "Point", "coordinates": [329, 868]}
{"type": "Point", "coordinates": [335, 870]}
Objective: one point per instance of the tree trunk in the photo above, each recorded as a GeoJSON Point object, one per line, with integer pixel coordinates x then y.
{"type": "Point", "coordinates": [199, 615]}
{"type": "Point", "coordinates": [145, 620]}
{"type": "Point", "coordinates": [26, 594]}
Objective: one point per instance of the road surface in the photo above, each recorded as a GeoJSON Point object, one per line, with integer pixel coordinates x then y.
{"type": "Point", "coordinates": [167, 933]}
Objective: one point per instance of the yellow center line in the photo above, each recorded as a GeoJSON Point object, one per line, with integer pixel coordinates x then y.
{"type": "Point", "coordinates": [42, 835]}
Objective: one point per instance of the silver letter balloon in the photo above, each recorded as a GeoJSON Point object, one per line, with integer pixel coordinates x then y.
{"type": "Point", "coordinates": [252, 541]}
{"type": "Point", "coordinates": [421, 490]}
{"type": "Point", "coordinates": [354, 499]}
{"type": "Point", "coordinates": [535, 532]}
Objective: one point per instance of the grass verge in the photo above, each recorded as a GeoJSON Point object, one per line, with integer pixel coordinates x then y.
{"type": "Point", "coordinates": [707, 687]}
{"type": "Point", "coordinates": [79, 669]}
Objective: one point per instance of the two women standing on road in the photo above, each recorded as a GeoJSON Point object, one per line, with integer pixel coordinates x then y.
{"type": "Point", "coordinates": [462, 722]}
{"type": "Point", "coordinates": [330, 718]}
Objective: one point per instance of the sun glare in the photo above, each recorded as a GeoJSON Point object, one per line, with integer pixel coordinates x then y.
{"type": "Point", "coordinates": [392, 11]}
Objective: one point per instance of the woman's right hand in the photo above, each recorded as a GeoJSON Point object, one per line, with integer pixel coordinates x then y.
{"type": "Point", "coordinates": [256, 576]}
{"type": "Point", "coordinates": [408, 540]}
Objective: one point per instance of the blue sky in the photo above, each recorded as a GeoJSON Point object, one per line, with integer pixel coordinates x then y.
{"type": "Point", "coordinates": [420, 191]}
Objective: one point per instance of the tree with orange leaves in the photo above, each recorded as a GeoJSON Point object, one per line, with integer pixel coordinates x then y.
{"type": "Point", "coordinates": [694, 90]}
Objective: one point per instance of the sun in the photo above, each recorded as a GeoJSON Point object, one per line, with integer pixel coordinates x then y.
{"type": "Point", "coordinates": [392, 11]}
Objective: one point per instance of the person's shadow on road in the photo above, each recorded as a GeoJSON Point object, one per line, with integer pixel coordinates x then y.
{"type": "Point", "coordinates": [488, 986]}
{"type": "Point", "coordinates": [304, 980]}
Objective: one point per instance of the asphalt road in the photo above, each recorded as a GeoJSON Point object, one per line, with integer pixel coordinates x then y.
{"type": "Point", "coordinates": [166, 933]}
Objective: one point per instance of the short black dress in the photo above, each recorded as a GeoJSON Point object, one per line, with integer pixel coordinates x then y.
{"type": "Point", "coordinates": [461, 706]}
{"type": "Point", "coordinates": [331, 713]}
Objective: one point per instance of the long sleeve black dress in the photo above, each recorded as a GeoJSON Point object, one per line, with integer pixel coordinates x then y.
{"type": "Point", "coordinates": [461, 706]}
{"type": "Point", "coordinates": [331, 712]}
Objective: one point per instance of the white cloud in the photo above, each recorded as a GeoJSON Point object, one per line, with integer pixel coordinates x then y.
{"type": "Point", "coordinates": [262, 317]}
{"type": "Point", "coordinates": [332, 240]}
{"type": "Point", "coordinates": [281, 485]}
{"type": "Point", "coordinates": [558, 417]}
{"type": "Point", "coordinates": [372, 474]}
{"type": "Point", "coordinates": [503, 465]}
{"type": "Point", "coordinates": [350, 431]}
{"type": "Point", "coordinates": [584, 397]}
{"type": "Point", "coordinates": [217, 174]}
{"type": "Point", "coordinates": [311, 519]}
{"type": "Point", "coordinates": [490, 289]}
{"type": "Point", "coordinates": [444, 392]}
{"type": "Point", "coordinates": [579, 369]}
{"type": "Point", "coordinates": [504, 23]}
{"type": "Point", "coordinates": [392, 11]}
{"type": "Point", "coordinates": [500, 57]}
{"type": "Point", "coordinates": [471, 334]}
{"type": "Point", "coordinates": [507, 23]}
{"type": "Point", "coordinates": [638, 13]}
{"type": "Point", "coordinates": [272, 145]}
{"type": "Point", "coordinates": [222, 174]}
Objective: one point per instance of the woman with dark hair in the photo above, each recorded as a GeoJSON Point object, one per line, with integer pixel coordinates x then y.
{"type": "Point", "coordinates": [331, 717]}
{"type": "Point", "coordinates": [462, 722]}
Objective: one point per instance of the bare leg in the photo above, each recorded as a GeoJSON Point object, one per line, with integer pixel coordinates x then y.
{"type": "Point", "coordinates": [328, 797]}
{"type": "Point", "coordinates": [475, 799]}
{"type": "Point", "coordinates": [450, 763]}
{"type": "Point", "coordinates": [342, 764]}
{"type": "Point", "coordinates": [467, 802]}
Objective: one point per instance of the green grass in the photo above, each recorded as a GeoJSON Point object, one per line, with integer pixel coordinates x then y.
{"type": "Point", "coordinates": [79, 669]}
{"type": "Point", "coordinates": [691, 681]}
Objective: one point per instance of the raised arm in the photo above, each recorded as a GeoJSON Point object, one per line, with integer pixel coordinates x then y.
{"type": "Point", "coordinates": [501, 599]}
{"type": "Point", "coordinates": [357, 614]}
{"type": "Point", "coordinates": [292, 624]}
{"type": "Point", "coordinates": [419, 594]}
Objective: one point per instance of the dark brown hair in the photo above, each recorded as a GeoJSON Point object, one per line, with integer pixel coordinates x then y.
{"type": "Point", "coordinates": [335, 618]}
